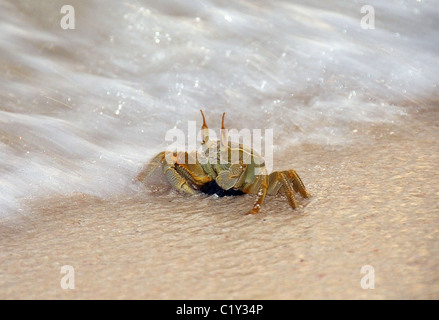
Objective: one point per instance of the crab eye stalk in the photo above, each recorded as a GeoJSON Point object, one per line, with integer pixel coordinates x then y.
{"type": "Point", "coordinates": [224, 133]}
{"type": "Point", "coordinates": [204, 129]}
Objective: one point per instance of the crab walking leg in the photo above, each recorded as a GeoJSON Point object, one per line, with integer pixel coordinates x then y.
{"type": "Point", "coordinates": [274, 183]}
{"type": "Point", "coordinates": [263, 185]}
{"type": "Point", "coordinates": [301, 186]}
{"type": "Point", "coordinates": [297, 183]}
{"type": "Point", "coordinates": [279, 180]}
{"type": "Point", "coordinates": [148, 170]}
{"type": "Point", "coordinates": [176, 180]}
{"type": "Point", "coordinates": [288, 190]}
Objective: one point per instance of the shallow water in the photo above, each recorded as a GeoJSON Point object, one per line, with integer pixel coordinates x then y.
{"type": "Point", "coordinates": [354, 111]}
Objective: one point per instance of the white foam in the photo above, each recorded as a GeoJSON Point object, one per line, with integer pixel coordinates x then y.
{"type": "Point", "coordinates": [91, 105]}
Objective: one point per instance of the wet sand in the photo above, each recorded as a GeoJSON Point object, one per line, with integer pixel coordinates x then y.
{"type": "Point", "coordinates": [372, 204]}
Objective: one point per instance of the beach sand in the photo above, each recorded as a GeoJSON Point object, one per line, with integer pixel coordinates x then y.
{"type": "Point", "coordinates": [372, 204]}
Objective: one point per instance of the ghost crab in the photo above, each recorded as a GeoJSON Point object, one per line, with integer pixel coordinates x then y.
{"type": "Point", "coordinates": [187, 174]}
